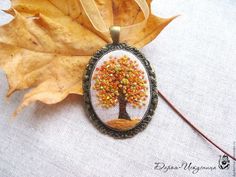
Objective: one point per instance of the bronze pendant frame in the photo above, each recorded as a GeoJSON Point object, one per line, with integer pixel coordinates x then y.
{"type": "Point", "coordinates": [102, 127]}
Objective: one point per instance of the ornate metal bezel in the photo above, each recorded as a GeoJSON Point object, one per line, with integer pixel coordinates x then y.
{"type": "Point", "coordinates": [153, 92]}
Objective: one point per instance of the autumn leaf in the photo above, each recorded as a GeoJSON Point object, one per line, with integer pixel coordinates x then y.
{"type": "Point", "coordinates": [48, 44]}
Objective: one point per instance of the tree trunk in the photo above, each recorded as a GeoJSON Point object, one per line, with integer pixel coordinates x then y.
{"type": "Point", "coordinates": [122, 107]}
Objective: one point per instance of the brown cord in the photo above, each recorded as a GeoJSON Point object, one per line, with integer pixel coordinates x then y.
{"type": "Point", "coordinates": [191, 125]}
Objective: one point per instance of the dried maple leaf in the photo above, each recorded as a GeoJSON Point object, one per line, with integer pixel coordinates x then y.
{"type": "Point", "coordinates": [49, 42]}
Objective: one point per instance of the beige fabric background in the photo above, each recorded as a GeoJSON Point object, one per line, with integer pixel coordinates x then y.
{"type": "Point", "coordinates": [195, 59]}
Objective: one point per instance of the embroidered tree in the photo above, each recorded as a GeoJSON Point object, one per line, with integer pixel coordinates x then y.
{"type": "Point", "coordinates": [119, 80]}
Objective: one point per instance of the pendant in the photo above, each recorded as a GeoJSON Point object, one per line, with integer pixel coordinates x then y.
{"type": "Point", "coordinates": [120, 89]}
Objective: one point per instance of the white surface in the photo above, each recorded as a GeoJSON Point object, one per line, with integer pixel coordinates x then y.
{"type": "Point", "coordinates": [195, 58]}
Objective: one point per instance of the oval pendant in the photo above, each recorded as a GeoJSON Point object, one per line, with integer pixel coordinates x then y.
{"type": "Point", "coordinates": [120, 90]}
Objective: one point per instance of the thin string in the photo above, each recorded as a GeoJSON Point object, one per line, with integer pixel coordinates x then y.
{"type": "Point", "coordinates": [191, 125]}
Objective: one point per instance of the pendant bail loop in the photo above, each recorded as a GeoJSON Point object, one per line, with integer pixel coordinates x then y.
{"type": "Point", "coordinates": [115, 34]}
